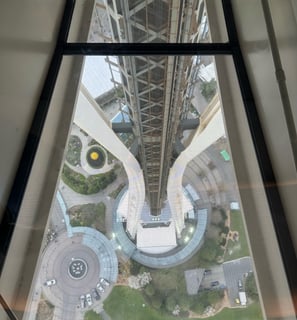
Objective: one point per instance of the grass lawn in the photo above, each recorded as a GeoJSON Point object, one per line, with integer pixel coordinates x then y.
{"type": "Point", "coordinates": [125, 303]}
{"type": "Point", "coordinates": [252, 312]}
{"type": "Point", "coordinates": [237, 249]}
{"type": "Point", "coordinates": [88, 215]}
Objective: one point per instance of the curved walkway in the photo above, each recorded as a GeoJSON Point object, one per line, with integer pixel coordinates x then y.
{"type": "Point", "coordinates": [96, 241]}
{"type": "Point", "coordinates": [85, 169]}
{"type": "Point", "coordinates": [104, 250]}
{"type": "Point", "coordinates": [165, 260]}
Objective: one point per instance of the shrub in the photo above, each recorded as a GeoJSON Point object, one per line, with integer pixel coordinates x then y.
{"type": "Point", "coordinates": [223, 242]}
{"type": "Point", "coordinates": [223, 214]}
{"type": "Point", "coordinates": [93, 184]}
{"type": "Point", "coordinates": [251, 287]}
{"type": "Point", "coordinates": [74, 150]}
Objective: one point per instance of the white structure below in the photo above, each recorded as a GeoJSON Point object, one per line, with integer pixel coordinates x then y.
{"type": "Point", "coordinates": [156, 240]}
{"type": "Point", "coordinates": [242, 298]}
{"type": "Point", "coordinates": [91, 119]}
{"type": "Point", "coordinates": [211, 128]}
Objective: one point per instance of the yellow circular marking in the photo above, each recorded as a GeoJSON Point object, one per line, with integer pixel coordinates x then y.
{"type": "Point", "coordinates": [94, 155]}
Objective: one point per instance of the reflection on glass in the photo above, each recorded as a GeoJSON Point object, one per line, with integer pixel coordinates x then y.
{"type": "Point", "coordinates": [147, 221]}
{"type": "Point", "coordinates": [194, 262]}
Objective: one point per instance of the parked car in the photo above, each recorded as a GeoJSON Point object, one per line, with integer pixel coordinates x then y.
{"type": "Point", "coordinates": [100, 288]}
{"type": "Point", "coordinates": [50, 283]}
{"type": "Point", "coordinates": [240, 286]}
{"type": "Point", "coordinates": [104, 282]}
{"type": "Point", "coordinates": [82, 300]}
{"type": "Point", "coordinates": [95, 294]}
{"type": "Point", "coordinates": [207, 272]}
{"type": "Point", "coordinates": [89, 299]}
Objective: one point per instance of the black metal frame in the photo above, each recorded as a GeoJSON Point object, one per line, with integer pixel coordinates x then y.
{"type": "Point", "coordinates": [269, 182]}
{"type": "Point", "coordinates": [63, 48]}
{"type": "Point", "coordinates": [146, 49]}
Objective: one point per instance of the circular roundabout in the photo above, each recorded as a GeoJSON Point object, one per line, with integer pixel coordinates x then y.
{"type": "Point", "coordinates": [78, 268]}
{"type": "Point", "coordinates": [77, 264]}
{"type": "Point", "coordinates": [96, 157]}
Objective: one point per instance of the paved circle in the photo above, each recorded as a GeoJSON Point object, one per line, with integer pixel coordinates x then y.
{"type": "Point", "coordinates": [77, 263]}
{"type": "Point", "coordinates": [78, 268]}
{"type": "Point", "coordinates": [71, 254]}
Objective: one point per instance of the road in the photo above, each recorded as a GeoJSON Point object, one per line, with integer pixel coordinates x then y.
{"type": "Point", "coordinates": [235, 270]}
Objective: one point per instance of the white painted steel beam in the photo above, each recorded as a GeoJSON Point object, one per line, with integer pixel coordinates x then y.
{"type": "Point", "coordinates": [211, 129]}
{"type": "Point", "coordinates": [91, 119]}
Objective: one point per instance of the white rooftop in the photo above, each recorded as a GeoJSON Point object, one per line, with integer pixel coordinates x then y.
{"type": "Point", "coordinates": [156, 240]}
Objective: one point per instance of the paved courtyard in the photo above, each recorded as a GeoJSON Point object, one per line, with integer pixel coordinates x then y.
{"type": "Point", "coordinates": [76, 264]}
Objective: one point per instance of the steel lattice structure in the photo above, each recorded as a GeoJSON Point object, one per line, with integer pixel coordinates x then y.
{"type": "Point", "coordinates": [155, 87]}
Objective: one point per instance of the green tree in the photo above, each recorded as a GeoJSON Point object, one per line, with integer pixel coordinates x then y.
{"type": "Point", "coordinates": [184, 302]}
{"type": "Point", "coordinates": [214, 296]}
{"type": "Point", "coordinates": [251, 287]}
{"type": "Point", "coordinates": [209, 250]}
{"type": "Point", "coordinates": [170, 303]}
{"type": "Point", "coordinates": [156, 301]}
{"type": "Point", "coordinates": [198, 307]}
{"type": "Point", "coordinates": [208, 89]}
{"type": "Point", "coordinates": [149, 290]}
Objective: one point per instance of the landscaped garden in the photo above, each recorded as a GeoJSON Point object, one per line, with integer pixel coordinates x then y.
{"type": "Point", "coordinates": [73, 151]}
{"type": "Point", "coordinates": [167, 287]}
{"type": "Point", "coordinates": [212, 250]}
{"type": "Point", "coordinates": [95, 157]}
{"type": "Point", "coordinates": [125, 303]}
{"type": "Point", "coordinates": [110, 156]}
{"type": "Point", "coordinates": [167, 292]}
{"type": "Point", "coordinates": [90, 185]}
{"type": "Point", "coordinates": [88, 215]}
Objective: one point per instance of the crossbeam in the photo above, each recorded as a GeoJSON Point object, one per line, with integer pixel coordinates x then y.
{"type": "Point", "coordinates": [147, 49]}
